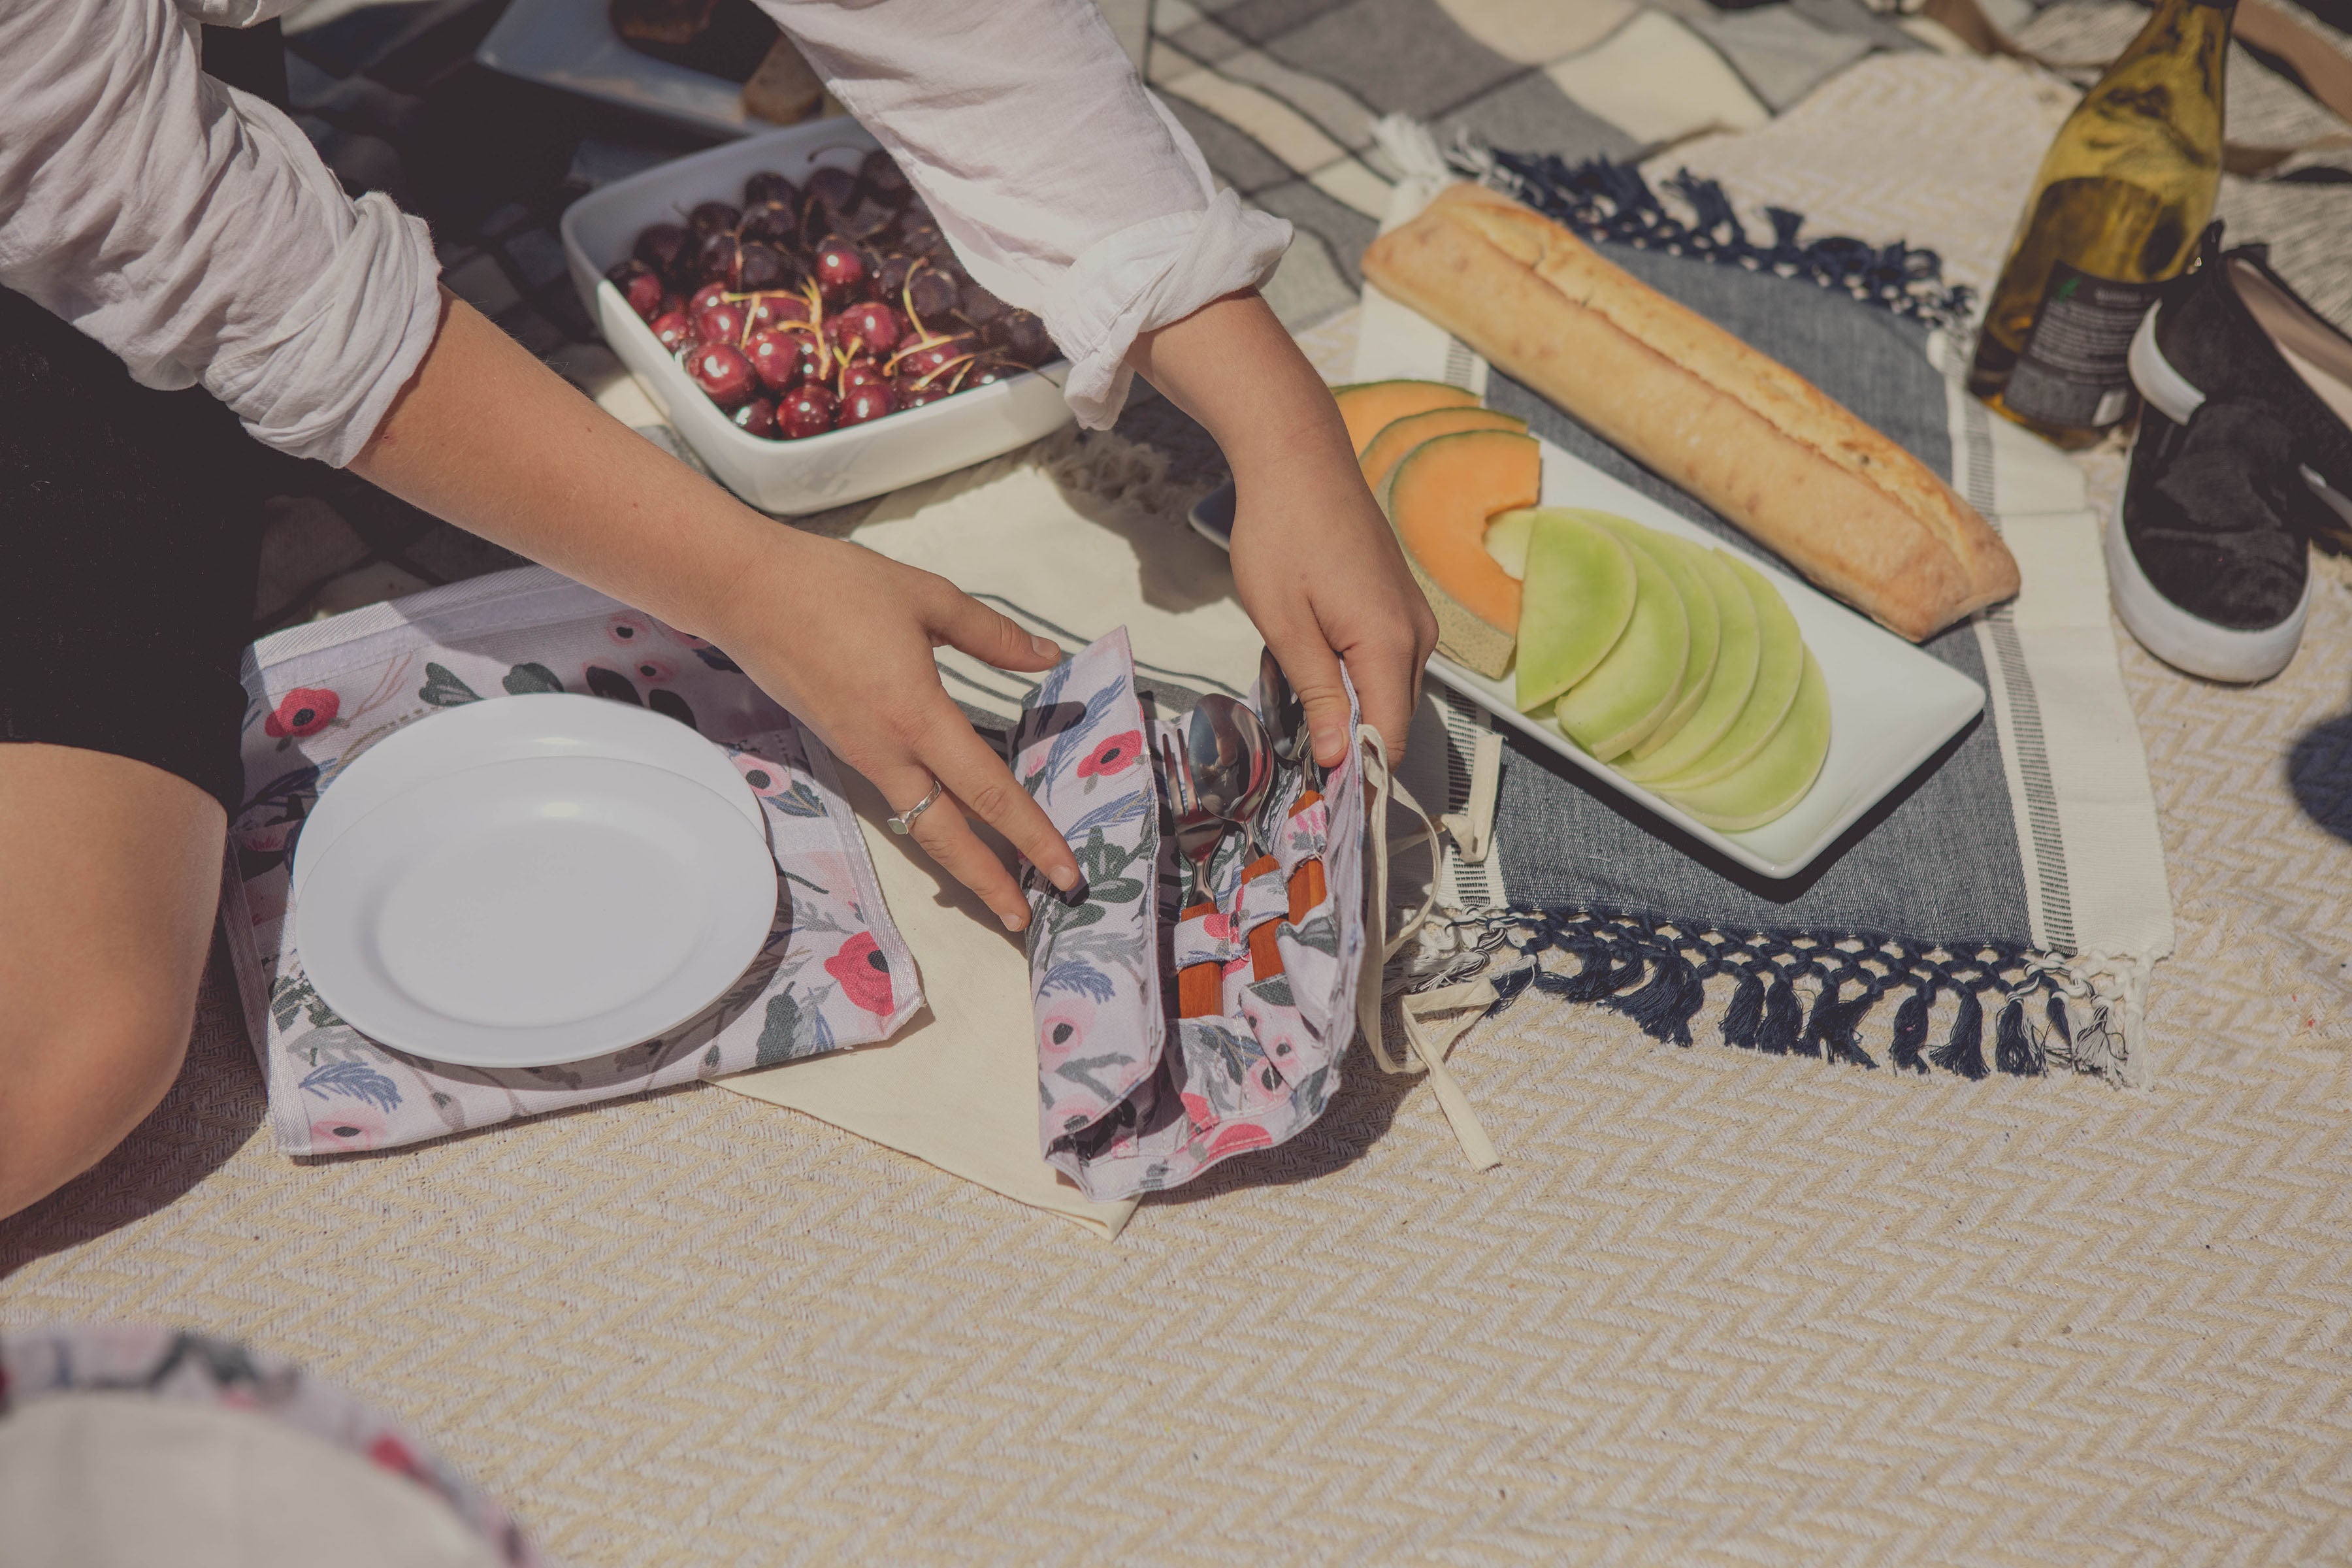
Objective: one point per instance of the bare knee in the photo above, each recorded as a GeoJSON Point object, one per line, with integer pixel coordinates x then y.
{"type": "Point", "coordinates": [108, 871]}
{"type": "Point", "coordinates": [68, 1101]}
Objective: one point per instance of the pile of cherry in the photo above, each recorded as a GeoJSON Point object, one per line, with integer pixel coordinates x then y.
{"type": "Point", "coordinates": [815, 308]}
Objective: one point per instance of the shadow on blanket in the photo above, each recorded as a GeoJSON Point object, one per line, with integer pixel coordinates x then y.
{"type": "Point", "coordinates": [2319, 769]}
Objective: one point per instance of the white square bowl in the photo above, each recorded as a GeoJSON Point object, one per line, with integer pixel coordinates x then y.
{"type": "Point", "coordinates": [790, 477]}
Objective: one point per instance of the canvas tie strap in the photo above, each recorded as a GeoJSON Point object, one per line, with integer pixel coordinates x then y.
{"type": "Point", "coordinates": [1465, 1003]}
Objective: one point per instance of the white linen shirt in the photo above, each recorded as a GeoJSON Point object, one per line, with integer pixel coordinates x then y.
{"type": "Point", "coordinates": [192, 230]}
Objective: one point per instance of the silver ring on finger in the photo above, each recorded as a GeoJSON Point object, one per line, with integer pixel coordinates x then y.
{"type": "Point", "coordinates": [904, 823]}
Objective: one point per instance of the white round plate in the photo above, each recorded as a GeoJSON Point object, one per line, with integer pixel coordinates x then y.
{"type": "Point", "coordinates": [505, 729]}
{"type": "Point", "coordinates": [536, 911]}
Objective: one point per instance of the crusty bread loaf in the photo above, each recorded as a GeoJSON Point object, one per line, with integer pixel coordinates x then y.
{"type": "Point", "coordinates": [1762, 446]}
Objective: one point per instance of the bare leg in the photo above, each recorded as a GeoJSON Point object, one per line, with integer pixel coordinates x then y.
{"type": "Point", "coordinates": [109, 871]}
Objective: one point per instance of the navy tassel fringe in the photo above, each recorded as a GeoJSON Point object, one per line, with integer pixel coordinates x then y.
{"type": "Point", "coordinates": [1610, 202]}
{"type": "Point", "coordinates": [1656, 974]}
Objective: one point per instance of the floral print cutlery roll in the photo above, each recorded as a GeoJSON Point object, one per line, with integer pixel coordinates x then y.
{"type": "Point", "coordinates": [1133, 1098]}
{"type": "Point", "coordinates": [833, 972]}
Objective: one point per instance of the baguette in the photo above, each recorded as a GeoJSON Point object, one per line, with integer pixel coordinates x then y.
{"type": "Point", "coordinates": [1763, 447]}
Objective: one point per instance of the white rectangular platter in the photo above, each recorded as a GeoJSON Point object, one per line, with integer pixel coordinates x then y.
{"type": "Point", "coordinates": [1892, 706]}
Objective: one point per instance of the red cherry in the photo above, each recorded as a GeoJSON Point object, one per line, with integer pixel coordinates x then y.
{"type": "Point", "coordinates": [640, 287]}
{"type": "Point", "coordinates": [702, 298]}
{"type": "Point", "coordinates": [776, 359]}
{"type": "Point", "coordinates": [989, 371]}
{"type": "Point", "coordinates": [875, 324]}
{"type": "Point", "coordinates": [815, 364]}
{"type": "Point", "coordinates": [839, 271]}
{"type": "Point", "coordinates": [720, 323]}
{"type": "Point", "coordinates": [757, 417]}
{"type": "Point", "coordinates": [860, 373]}
{"type": "Point", "coordinates": [911, 394]}
{"type": "Point", "coordinates": [722, 373]}
{"type": "Point", "coordinates": [674, 331]}
{"type": "Point", "coordinates": [930, 293]}
{"type": "Point", "coordinates": [868, 402]}
{"type": "Point", "coordinates": [930, 357]}
{"type": "Point", "coordinates": [770, 310]}
{"type": "Point", "coordinates": [807, 410]}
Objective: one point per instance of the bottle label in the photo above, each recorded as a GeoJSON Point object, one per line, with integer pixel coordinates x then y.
{"type": "Point", "coordinates": [2073, 371]}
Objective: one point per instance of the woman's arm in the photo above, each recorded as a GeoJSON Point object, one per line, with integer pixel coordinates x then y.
{"type": "Point", "coordinates": [1068, 190]}
{"type": "Point", "coordinates": [487, 436]}
{"type": "Point", "coordinates": [194, 231]}
{"type": "Point", "coordinates": [1316, 564]}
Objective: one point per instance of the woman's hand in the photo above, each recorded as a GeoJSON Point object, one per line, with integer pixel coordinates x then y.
{"type": "Point", "coordinates": [1316, 564]}
{"type": "Point", "coordinates": [842, 638]}
{"type": "Point", "coordinates": [491, 439]}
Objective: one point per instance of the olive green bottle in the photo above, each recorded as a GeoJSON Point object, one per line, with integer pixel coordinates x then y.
{"type": "Point", "coordinates": [2115, 211]}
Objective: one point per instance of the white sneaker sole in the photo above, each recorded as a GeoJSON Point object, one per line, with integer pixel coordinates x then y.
{"type": "Point", "coordinates": [2166, 389]}
{"type": "Point", "coordinates": [2189, 642]}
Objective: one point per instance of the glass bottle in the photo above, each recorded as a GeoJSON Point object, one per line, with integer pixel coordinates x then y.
{"type": "Point", "coordinates": [2115, 211]}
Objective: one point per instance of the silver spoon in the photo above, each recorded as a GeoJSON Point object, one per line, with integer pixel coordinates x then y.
{"type": "Point", "coordinates": [1198, 830]}
{"type": "Point", "coordinates": [1286, 721]}
{"type": "Point", "coordinates": [1231, 761]}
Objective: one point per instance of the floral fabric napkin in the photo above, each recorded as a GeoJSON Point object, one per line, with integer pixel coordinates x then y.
{"type": "Point", "coordinates": [1132, 1097]}
{"type": "Point", "coordinates": [833, 973]}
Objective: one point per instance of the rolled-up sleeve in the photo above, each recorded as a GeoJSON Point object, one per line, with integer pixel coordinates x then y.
{"type": "Point", "coordinates": [1064, 186]}
{"type": "Point", "coordinates": [192, 230]}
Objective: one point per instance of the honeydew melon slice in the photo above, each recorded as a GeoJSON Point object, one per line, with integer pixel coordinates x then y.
{"type": "Point", "coordinates": [1780, 669]}
{"type": "Point", "coordinates": [1366, 405]}
{"type": "Point", "coordinates": [1698, 605]}
{"type": "Point", "coordinates": [1577, 595]}
{"type": "Point", "coordinates": [1439, 498]}
{"type": "Point", "coordinates": [1614, 708]}
{"type": "Point", "coordinates": [1398, 436]}
{"type": "Point", "coordinates": [1507, 537]}
{"type": "Point", "coordinates": [1738, 653]}
{"type": "Point", "coordinates": [1775, 779]}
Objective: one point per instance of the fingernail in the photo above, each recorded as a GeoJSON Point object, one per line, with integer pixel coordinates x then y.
{"type": "Point", "coordinates": [1014, 922]}
{"type": "Point", "coordinates": [1045, 648]}
{"type": "Point", "coordinates": [1065, 877]}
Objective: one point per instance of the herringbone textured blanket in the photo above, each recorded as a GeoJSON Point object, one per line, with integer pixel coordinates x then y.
{"type": "Point", "coordinates": [1712, 1308]}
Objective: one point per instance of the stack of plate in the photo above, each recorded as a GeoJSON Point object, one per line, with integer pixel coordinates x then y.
{"type": "Point", "coordinates": [532, 880]}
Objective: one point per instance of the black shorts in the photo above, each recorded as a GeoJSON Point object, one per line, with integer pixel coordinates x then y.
{"type": "Point", "coordinates": [129, 537]}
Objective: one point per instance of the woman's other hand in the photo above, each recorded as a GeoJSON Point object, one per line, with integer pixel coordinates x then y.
{"type": "Point", "coordinates": [1317, 565]}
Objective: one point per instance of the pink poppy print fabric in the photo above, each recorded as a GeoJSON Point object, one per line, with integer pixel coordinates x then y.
{"type": "Point", "coordinates": [182, 1367]}
{"type": "Point", "coordinates": [1133, 1099]}
{"type": "Point", "coordinates": [834, 971]}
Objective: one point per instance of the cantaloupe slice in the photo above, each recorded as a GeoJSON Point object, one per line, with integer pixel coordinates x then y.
{"type": "Point", "coordinates": [1366, 405]}
{"type": "Point", "coordinates": [1769, 784]}
{"type": "Point", "coordinates": [1706, 622]}
{"type": "Point", "coordinates": [1398, 436]}
{"type": "Point", "coordinates": [1614, 708]}
{"type": "Point", "coordinates": [1577, 598]}
{"type": "Point", "coordinates": [1781, 666]}
{"type": "Point", "coordinates": [1736, 660]}
{"type": "Point", "coordinates": [1438, 499]}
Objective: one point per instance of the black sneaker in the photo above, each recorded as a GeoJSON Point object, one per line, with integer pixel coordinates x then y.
{"type": "Point", "coordinates": [2233, 331]}
{"type": "Point", "coordinates": [2243, 454]}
